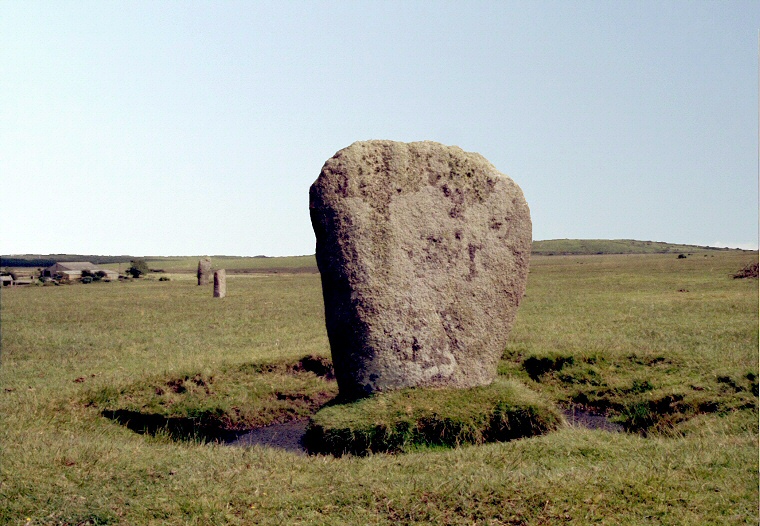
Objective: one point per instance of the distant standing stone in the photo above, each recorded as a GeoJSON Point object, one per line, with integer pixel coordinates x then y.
{"type": "Point", "coordinates": [220, 283]}
{"type": "Point", "coordinates": [423, 251]}
{"type": "Point", "coordinates": [204, 271]}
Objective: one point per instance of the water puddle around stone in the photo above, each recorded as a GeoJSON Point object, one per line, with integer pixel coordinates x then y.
{"type": "Point", "coordinates": [285, 436]}
{"type": "Point", "coordinates": [578, 418]}
{"type": "Point", "coordinates": [288, 436]}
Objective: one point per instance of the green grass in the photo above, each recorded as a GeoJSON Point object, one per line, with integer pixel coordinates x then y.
{"type": "Point", "coordinates": [652, 339]}
{"type": "Point", "coordinates": [633, 336]}
{"type": "Point", "coordinates": [189, 264]}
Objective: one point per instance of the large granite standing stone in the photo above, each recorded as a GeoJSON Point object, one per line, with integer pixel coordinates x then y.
{"type": "Point", "coordinates": [204, 271]}
{"type": "Point", "coordinates": [423, 251]}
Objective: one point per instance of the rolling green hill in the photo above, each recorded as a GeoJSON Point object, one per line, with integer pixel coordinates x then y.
{"type": "Point", "coordinates": [550, 247]}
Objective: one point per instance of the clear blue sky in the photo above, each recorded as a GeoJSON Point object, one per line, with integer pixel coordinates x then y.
{"type": "Point", "coordinates": [191, 128]}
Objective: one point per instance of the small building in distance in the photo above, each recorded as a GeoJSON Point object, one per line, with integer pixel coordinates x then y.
{"type": "Point", "coordinates": [13, 276]}
{"type": "Point", "coordinates": [72, 270]}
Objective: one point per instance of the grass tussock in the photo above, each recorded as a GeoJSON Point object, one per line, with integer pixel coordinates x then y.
{"type": "Point", "coordinates": [403, 420]}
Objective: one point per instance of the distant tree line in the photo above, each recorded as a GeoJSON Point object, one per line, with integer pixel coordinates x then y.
{"type": "Point", "coordinates": [52, 259]}
{"type": "Point", "coordinates": [21, 262]}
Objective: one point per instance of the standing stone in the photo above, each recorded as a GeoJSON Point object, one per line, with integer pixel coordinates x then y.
{"type": "Point", "coordinates": [423, 251]}
{"type": "Point", "coordinates": [220, 283]}
{"type": "Point", "coordinates": [204, 271]}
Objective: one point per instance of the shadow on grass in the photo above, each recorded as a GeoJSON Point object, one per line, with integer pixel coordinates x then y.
{"type": "Point", "coordinates": [202, 429]}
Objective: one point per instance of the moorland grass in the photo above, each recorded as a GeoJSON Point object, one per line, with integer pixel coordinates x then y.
{"type": "Point", "coordinates": [649, 340]}
{"type": "Point", "coordinates": [189, 264]}
{"type": "Point", "coordinates": [627, 322]}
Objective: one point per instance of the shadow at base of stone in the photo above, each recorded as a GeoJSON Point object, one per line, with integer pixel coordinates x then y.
{"type": "Point", "coordinates": [176, 428]}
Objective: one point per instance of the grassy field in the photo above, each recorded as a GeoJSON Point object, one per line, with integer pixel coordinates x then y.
{"type": "Point", "coordinates": [668, 347]}
{"type": "Point", "coordinates": [185, 264]}
{"type": "Point", "coordinates": [253, 264]}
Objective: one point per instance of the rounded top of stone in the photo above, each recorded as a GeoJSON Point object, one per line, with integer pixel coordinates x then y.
{"type": "Point", "coordinates": [375, 170]}
{"type": "Point", "coordinates": [399, 148]}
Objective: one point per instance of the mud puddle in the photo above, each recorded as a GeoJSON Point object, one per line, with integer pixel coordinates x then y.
{"type": "Point", "coordinates": [287, 436]}
{"type": "Point", "coordinates": [580, 418]}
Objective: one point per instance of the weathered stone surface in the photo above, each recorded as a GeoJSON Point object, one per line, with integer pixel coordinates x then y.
{"type": "Point", "coordinates": [423, 251]}
{"type": "Point", "coordinates": [204, 271]}
{"type": "Point", "coordinates": [220, 283]}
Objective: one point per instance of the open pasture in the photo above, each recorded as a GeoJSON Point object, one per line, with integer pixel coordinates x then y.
{"type": "Point", "coordinates": [189, 264]}
{"type": "Point", "coordinates": [666, 347]}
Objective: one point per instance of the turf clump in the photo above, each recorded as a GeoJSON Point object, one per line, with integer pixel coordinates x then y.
{"type": "Point", "coordinates": [204, 407]}
{"type": "Point", "coordinates": [411, 418]}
